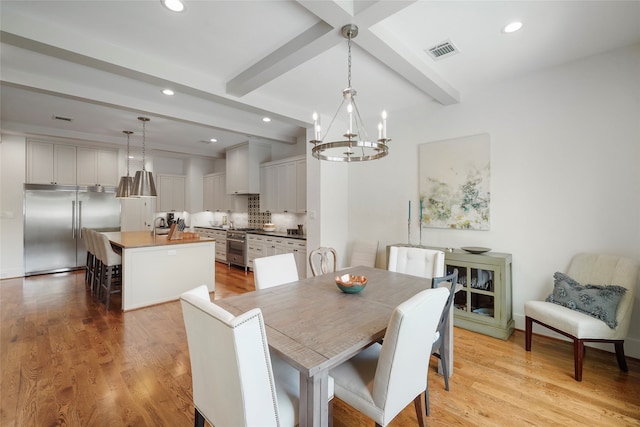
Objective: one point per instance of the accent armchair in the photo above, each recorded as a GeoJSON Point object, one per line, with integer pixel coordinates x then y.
{"type": "Point", "coordinates": [587, 269]}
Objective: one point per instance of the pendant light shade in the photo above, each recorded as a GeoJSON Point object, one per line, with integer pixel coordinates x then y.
{"type": "Point", "coordinates": [125, 187]}
{"type": "Point", "coordinates": [143, 185]}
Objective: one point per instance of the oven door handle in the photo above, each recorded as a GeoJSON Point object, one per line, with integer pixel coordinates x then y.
{"type": "Point", "coordinates": [235, 240]}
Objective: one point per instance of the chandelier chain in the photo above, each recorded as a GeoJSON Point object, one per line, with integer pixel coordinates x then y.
{"type": "Point", "coordinates": [128, 153]}
{"type": "Point", "coordinates": [349, 61]}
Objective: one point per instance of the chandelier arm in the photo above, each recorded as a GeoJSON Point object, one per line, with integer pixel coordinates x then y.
{"type": "Point", "coordinates": [362, 132]}
{"type": "Point", "coordinates": [326, 132]}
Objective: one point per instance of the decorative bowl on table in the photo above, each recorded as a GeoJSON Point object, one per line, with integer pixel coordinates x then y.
{"type": "Point", "coordinates": [350, 283]}
{"type": "Point", "coordinates": [269, 227]}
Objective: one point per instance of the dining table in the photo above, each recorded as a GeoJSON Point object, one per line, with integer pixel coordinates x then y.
{"type": "Point", "coordinates": [314, 326]}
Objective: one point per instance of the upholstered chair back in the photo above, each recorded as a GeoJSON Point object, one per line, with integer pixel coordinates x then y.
{"type": "Point", "coordinates": [233, 382]}
{"type": "Point", "coordinates": [598, 269]}
{"type": "Point", "coordinates": [401, 373]}
{"type": "Point", "coordinates": [364, 253]}
{"type": "Point", "coordinates": [416, 261]}
{"type": "Point", "coordinates": [108, 255]}
{"type": "Point", "coordinates": [274, 270]}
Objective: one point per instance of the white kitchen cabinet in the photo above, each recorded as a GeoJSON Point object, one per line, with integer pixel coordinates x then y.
{"type": "Point", "coordinates": [137, 214]}
{"type": "Point", "coordinates": [243, 167]}
{"type": "Point", "coordinates": [221, 241]}
{"type": "Point", "coordinates": [301, 185]}
{"type": "Point", "coordinates": [285, 186]}
{"type": "Point", "coordinates": [259, 245]}
{"type": "Point", "coordinates": [49, 163]}
{"type": "Point", "coordinates": [216, 197]}
{"type": "Point", "coordinates": [171, 190]}
{"type": "Point", "coordinates": [269, 188]}
{"type": "Point", "coordinates": [97, 166]}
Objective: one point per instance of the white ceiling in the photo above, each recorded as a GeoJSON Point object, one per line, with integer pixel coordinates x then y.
{"type": "Point", "coordinates": [104, 63]}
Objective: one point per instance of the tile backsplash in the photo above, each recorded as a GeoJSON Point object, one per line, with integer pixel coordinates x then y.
{"type": "Point", "coordinates": [256, 218]}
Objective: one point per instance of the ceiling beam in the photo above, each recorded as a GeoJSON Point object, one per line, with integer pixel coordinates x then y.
{"type": "Point", "coordinates": [307, 45]}
{"type": "Point", "coordinates": [325, 34]}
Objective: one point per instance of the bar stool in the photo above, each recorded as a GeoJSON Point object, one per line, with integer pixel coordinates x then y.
{"type": "Point", "coordinates": [110, 273]}
{"type": "Point", "coordinates": [84, 235]}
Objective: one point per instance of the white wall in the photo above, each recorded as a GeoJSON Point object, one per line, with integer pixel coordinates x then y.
{"type": "Point", "coordinates": [12, 173]}
{"type": "Point", "coordinates": [565, 175]}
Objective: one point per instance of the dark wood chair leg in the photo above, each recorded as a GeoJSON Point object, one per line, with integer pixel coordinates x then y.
{"type": "Point", "coordinates": [420, 413]}
{"type": "Point", "coordinates": [199, 419]}
{"type": "Point", "coordinates": [578, 357]}
{"type": "Point", "coordinates": [622, 362]}
{"type": "Point", "coordinates": [528, 321]}
{"type": "Point", "coordinates": [426, 400]}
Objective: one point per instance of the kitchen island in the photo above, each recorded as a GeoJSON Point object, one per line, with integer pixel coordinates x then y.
{"type": "Point", "coordinates": [156, 269]}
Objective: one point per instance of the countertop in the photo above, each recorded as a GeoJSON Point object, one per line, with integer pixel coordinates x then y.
{"type": "Point", "coordinates": [261, 232]}
{"type": "Point", "coordinates": [141, 239]}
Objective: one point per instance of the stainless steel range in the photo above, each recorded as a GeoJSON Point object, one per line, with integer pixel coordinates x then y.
{"type": "Point", "coordinates": [237, 253]}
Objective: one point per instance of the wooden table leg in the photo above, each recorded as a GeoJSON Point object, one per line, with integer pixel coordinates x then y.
{"type": "Point", "coordinates": [314, 402]}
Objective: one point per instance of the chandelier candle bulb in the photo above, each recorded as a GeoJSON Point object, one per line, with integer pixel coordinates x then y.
{"type": "Point", "coordinates": [384, 124]}
{"type": "Point", "coordinates": [350, 111]}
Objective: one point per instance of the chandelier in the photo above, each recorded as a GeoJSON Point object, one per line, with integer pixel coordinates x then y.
{"type": "Point", "coordinates": [143, 185]}
{"type": "Point", "coordinates": [125, 187]}
{"type": "Point", "coordinates": [357, 147]}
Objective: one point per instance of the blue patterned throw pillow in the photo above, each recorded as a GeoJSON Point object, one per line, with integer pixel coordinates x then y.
{"type": "Point", "coordinates": [598, 301]}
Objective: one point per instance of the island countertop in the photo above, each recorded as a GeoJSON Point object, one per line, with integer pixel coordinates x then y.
{"type": "Point", "coordinates": [141, 239]}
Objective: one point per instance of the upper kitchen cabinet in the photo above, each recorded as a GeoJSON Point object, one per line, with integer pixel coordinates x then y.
{"type": "Point", "coordinates": [215, 195]}
{"type": "Point", "coordinates": [49, 163]}
{"type": "Point", "coordinates": [171, 189]}
{"type": "Point", "coordinates": [97, 166]}
{"type": "Point", "coordinates": [243, 167]}
{"type": "Point", "coordinates": [284, 185]}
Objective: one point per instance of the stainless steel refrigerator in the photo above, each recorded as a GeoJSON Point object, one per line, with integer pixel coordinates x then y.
{"type": "Point", "coordinates": [53, 218]}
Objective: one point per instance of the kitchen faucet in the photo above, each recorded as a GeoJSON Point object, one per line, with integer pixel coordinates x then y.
{"type": "Point", "coordinates": [155, 221]}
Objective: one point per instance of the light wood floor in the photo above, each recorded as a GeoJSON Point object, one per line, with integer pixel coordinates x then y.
{"type": "Point", "coordinates": [65, 361]}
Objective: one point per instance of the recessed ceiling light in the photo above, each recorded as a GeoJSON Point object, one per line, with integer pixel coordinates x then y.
{"type": "Point", "coordinates": [213, 140]}
{"type": "Point", "coordinates": [173, 5]}
{"type": "Point", "coordinates": [168, 92]}
{"type": "Point", "coordinates": [266, 119]}
{"type": "Point", "coordinates": [512, 27]}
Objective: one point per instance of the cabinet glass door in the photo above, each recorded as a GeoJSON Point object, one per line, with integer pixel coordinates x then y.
{"type": "Point", "coordinates": [477, 295]}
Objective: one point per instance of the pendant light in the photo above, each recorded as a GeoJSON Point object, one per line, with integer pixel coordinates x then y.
{"type": "Point", "coordinates": [143, 185]}
{"type": "Point", "coordinates": [357, 147]}
{"type": "Point", "coordinates": [125, 187]}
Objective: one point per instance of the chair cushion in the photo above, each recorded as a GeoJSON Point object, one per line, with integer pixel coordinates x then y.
{"type": "Point", "coordinates": [597, 301]}
{"type": "Point", "coordinates": [573, 322]}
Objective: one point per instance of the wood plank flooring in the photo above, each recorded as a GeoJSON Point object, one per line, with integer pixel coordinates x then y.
{"type": "Point", "coordinates": [65, 361]}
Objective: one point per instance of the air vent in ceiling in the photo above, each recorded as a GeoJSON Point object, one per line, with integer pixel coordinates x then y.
{"type": "Point", "coordinates": [64, 119]}
{"type": "Point", "coordinates": [442, 50]}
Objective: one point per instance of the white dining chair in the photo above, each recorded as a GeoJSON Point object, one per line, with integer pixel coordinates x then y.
{"type": "Point", "coordinates": [420, 262]}
{"type": "Point", "coordinates": [236, 382]}
{"type": "Point", "coordinates": [323, 260]}
{"type": "Point", "coordinates": [383, 379]}
{"type": "Point", "coordinates": [364, 253]}
{"type": "Point", "coordinates": [274, 270]}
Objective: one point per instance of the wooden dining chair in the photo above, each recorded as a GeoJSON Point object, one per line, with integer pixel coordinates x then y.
{"type": "Point", "coordinates": [236, 381]}
{"type": "Point", "coordinates": [384, 378]}
{"type": "Point", "coordinates": [111, 271]}
{"type": "Point", "coordinates": [420, 262]}
{"type": "Point", "coordinates": [440, 347]}
{"type": "Point", "coordinates": [274, 270]}
{"type": "Point", "coordinates": [323, 260]}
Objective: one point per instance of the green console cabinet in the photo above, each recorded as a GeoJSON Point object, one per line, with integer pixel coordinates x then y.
{"type": "Point", "coordinates": [484, 303]}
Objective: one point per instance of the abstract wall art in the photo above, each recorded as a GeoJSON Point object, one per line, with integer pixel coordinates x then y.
{"type": "Point", "coordinates": [455, 182]}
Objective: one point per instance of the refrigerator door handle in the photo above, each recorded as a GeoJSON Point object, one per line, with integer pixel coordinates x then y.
{"type": "Point", "coordinates": [80, 218]}
{"type": "Point", "coordinates": [73, 219]}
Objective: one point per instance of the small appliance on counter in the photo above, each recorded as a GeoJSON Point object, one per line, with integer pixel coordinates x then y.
{"type": "Point", "coordinates": [170, 219]}
{"type": "Point", "coordinates": [269, 227]}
